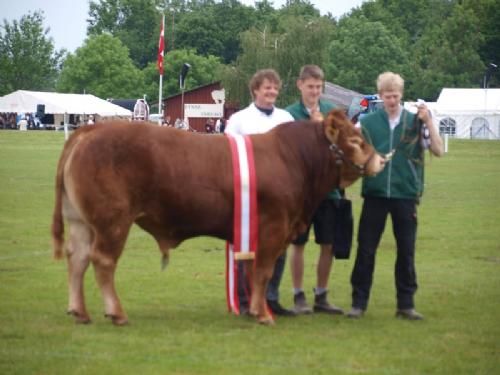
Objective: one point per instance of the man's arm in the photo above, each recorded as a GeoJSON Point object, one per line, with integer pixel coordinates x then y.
{"type": "Point", "coordinates": [436, 143]}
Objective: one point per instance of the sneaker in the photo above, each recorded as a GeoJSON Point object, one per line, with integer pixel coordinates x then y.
{"type": "Point", "coordinates": [409, 314]}
{"type": "Point", "coordinates": [321, 304]}
{"type": "Point", "coordinates": [277, 309]}
{"type": "Point", "coordinates": [355, 313]}
{"type": "Point", "coordinates": [300, 304]}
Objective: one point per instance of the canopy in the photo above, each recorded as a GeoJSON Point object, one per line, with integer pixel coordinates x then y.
{"type": "Point", "coordinates": [469, 113]}
{"type": "Point", "coordinates": [22, 101]}
{"type": "Point", "coordinates": [468, 101]}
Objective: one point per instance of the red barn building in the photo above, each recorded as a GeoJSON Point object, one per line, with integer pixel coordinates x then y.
{"type": "Point", "coordinates": [200, 104]}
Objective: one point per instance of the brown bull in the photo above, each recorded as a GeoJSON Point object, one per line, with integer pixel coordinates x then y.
{"type": "Point", "coordinates": [177, 185]}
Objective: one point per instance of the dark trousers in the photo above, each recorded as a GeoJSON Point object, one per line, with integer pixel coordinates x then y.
{"type": "Point", "coordinates": [371, 226]}
{"type": "Point", "coordinates": [272, 292]}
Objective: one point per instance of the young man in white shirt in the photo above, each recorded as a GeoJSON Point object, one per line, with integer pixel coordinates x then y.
{"type": "Point", "coordinates": [259, 117]}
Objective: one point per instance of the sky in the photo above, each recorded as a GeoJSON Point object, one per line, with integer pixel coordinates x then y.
{"type": "Point", "coordinates": [67, 19]}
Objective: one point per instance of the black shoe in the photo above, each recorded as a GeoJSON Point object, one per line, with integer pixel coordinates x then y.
{"type": "Point", "coordinates": [321, 304]}
{"type": "Point", "coordinates": [355, 313]}
{"type": "Point", "coordinates": [277, 309]}
{"type": "Point", "coordinates": [409, 314]}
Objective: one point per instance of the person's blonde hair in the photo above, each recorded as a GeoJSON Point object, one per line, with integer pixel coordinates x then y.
{"type": "Point", "coordinates": [389, 81]}
{"type": "Point", "coordinates": [258, 78]}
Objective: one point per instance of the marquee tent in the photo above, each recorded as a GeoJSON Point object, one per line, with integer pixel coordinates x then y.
{"type": "Point", "coordinates": [22, 101]}
{"type": "Point", "coordinates": [469, 113]}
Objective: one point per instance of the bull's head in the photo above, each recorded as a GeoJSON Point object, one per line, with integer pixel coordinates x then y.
{"type": "Point", "coordinates": [354, 155]}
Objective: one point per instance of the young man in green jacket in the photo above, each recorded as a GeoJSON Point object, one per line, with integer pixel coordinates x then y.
{"type": "Point", "coordinates": [310, 85]}
{"type": "Point", "coordinates": [395, 191]}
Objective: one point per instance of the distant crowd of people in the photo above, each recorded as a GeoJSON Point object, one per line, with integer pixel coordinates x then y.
{"type": "Point", "coordinates": [211, 126]}
{"type": "Point", "coordinates": [22, 121]}
{"type": "Point", "coordinates": [8, 121]}
{"type": "Point", "coordinates": [29, 121]}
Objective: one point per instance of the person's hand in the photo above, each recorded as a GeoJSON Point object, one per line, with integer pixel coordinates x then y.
{"type": "Point", "coordinates": [423, 113]}
{"type": "Point", "coordinates": [317, 116]}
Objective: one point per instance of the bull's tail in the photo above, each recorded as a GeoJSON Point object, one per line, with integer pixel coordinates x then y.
{"type": "Point", "coordinates": [57, 216]}
{"type": "Point", "coordinates": [57, 220]}
{"type": "Point", "coordinates": [57, 229]}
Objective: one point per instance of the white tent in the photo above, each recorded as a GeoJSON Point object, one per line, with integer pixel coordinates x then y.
{"type": "Point", "coordinates": [469, 113]}
{"type": "Point", "coordinates": [22, 101]}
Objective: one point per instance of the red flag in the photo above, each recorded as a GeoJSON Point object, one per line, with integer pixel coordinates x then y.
{"type": "Point", "coordinates": [161, 48]}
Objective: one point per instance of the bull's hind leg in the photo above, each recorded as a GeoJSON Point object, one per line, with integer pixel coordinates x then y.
{"type": "Point", "coordinates": [78, 257]}
{"type": "Point", "coordinates": [105, 252]}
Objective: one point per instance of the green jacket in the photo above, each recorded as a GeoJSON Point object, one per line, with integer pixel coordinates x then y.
{"type": "Point", "coordinates": [403, 175]}
{"type": "Point", "coordinates": [299, 112]}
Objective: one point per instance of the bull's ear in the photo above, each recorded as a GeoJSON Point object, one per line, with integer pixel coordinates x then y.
{"type": "Point", "coordinates": [331, 130]}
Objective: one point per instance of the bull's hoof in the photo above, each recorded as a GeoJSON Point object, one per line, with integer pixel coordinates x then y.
{"type": "Point", "coordinates": [117, 320]}
{"type": "Point", "coordinates": [266, 320]}
{"type": "Point", "coordinates": [80, 318]}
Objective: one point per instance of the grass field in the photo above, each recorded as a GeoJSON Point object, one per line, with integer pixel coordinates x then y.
{"type": "Point", "coordinates": [178, 319]}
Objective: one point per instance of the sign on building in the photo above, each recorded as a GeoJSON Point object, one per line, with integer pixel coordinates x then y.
{"type": "Point", "coordinates": [204, 110]}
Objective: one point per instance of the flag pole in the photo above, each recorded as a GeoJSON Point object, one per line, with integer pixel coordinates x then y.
{"type": "Point", "coordinates": [161, 50]}
{"type": "Point", "coordinates": [159, 97]}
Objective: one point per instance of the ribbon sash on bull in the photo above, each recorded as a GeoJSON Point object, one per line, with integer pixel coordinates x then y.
{"type": "Point", "coordinates": [245, 227]}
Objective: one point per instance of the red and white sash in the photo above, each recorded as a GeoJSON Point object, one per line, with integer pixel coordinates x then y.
{"type": "Point", "coordinates": [245, 228]}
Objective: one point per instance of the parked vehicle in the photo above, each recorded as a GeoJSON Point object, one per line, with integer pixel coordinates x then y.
{"type": "Point", "coordinates": [362, 105]}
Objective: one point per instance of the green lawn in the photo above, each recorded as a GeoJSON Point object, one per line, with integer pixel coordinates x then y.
{"type": "Point", "coordinates": [178, 319]}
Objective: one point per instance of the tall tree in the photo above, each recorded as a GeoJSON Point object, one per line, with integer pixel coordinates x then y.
{"type": "Point", "coordinates": [265, 15]}
{"type": "Point", "coordinates": [443, 39]}
{"type": "Point", "coordinates": [376, 11]}
{"type": "Point", "coordinates": [407, 19]}
{"type": "Point", "coordinates": [258, 52]}
{"type": "Point", "coordinates": [135, 22]}
{"type": "Point", "coordinates": [28, 59]}
{"type": "Point", "coordinates": [447, 55]}
{"type": "Point", "coordinates": [214, 28]}
{"type": "Point", "coordinates": [301, 40]}
{"type": "Point", "coordinates": [488, 14]}
{"type": "Point", "coordinates": [360, 51]}
{"type": "Point", "coordinates": [299, 8]}
{"type": "Point", "coordinates": [101, 67]}
{"type": "Point", "coordinates": [304, 40]}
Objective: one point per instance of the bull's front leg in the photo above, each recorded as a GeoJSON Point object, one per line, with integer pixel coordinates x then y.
{"type": "Point", "coordinates": [260, 276]}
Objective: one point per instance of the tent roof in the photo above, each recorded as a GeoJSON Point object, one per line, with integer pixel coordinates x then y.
{"type": "Point", "coordinates": [469, 101]}
{"type": "Point", "coordinates": [339, 95]}
{"type": "Point", "coordinates": [56, 103]}
{"type": "Point", "coordinates": [125, 103]}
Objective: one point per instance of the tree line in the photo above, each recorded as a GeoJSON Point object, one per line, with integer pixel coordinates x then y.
{"type": "Point", "coordinates": [432, 43]}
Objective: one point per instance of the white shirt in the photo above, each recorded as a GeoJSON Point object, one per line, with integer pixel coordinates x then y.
{"type": "Point", "coordinates": [251, 120]}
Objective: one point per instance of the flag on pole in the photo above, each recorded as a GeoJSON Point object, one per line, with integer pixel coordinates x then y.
{"type": "Point", "coordinates": [161, 47]}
